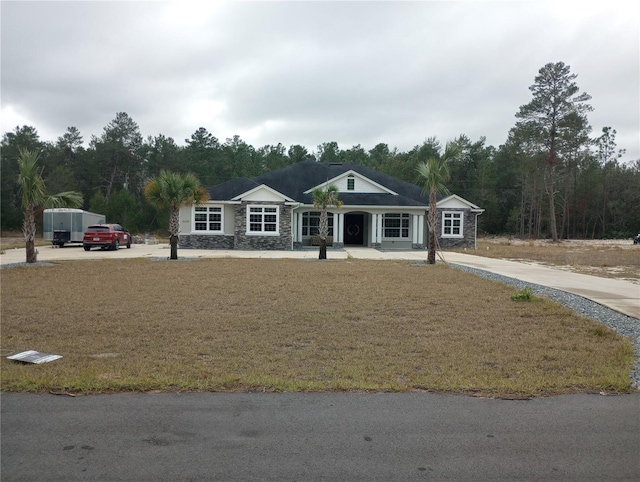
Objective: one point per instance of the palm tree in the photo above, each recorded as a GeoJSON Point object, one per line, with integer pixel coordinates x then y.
{"type": "Point", "coordinates": [435, 173]}
{"type": "Point", "coordinates": [172, 191]}
{"type": "Point", "coordinates": [322, 200]}
{"type": "Point", "coordinates": [33, 196]}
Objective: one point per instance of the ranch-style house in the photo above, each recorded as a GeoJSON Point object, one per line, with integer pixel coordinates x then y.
{"type": "Point", "coordinates": [275, 211]}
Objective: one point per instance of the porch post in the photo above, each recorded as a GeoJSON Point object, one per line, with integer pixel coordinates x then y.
{"type": "Point", "coordinates": [414, 229]}
{"type": "Point", "coordinates": [299, 227]}
{"type": "Point", "coordinates": [294, 226]}
{"type": "Point", "coordinates": [376, 230]}
{"type": "Point", "coordinates": [338, 231]}
{"type": "Point", "coordinates": [421, 230]}
{"type": "Point", "coordinates": [375, 235]}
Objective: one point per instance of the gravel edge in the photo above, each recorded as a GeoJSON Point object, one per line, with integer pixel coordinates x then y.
{"type": "Point", "coordinates": [624, 325]}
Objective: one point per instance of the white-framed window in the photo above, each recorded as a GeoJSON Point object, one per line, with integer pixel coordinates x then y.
{"type": "Point", "coordinates": [311, 223]}
{"type": "Point", "coordinates": [395, 225]}
{"type": "Point", "coordinates": [351, 183]}
{"type": "Point", "coordinates": [451, 224]}
{"type": "Point", "coordinates": [207, 219]}
{"type": "Point", "coordinates": [263, 220]}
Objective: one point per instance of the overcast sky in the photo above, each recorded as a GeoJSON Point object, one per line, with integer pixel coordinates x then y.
{"type": "Point", "coordinates": [312, 72]}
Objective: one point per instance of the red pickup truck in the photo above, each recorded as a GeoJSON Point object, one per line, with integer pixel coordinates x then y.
{"type": "Point", "coordinates": [106, 236]}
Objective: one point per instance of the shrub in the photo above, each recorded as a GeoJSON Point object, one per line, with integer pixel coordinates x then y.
{"type": "Point", "coordinates": [525, 294]}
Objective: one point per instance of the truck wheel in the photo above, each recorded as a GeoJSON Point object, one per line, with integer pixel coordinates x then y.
{"type": "Point", "coordinates": [86, 248]}
{"type": "Point", "coordinates": [116, 244]}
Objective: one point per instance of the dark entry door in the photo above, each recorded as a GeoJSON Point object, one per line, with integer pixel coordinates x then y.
{"type": "Point", "coordinates": [354, 229]}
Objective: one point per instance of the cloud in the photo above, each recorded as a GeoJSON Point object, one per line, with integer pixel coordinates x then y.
{"type": "Point", "coordinates": [312, 72]}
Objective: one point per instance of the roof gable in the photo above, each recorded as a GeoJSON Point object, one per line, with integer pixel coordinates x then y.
{"type": "Point", "coordinates": [262, 193]}
{"type": "Point", "coordinates": [456, 202]}
{"type": "Point", "coordinates": [361, 184]}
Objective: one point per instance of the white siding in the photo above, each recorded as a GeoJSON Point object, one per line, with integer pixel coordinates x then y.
{"type": "Point", "coordinates": [186, 213]}
{"type": "Point", "coordinates": [452, 203]}
{"type": "Point", "coordinates": [361, 185]}
{"type": "Point", "coordinates": [186, 219]}
{"type": "Point", "coordinates": [263, 195]}
{"type": "Point", "coordinates": [229, 218]}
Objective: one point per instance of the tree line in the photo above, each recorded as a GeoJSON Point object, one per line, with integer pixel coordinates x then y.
{"type": "Point", "coordinates": [551, 178]}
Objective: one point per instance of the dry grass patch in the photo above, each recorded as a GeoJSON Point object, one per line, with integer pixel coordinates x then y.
{"type": "Point", "coordinates": [13, 239]}
{"type": "Point", "coordinates": [608, 259]}
{"type": "Point", "coordinates": [292, 325]}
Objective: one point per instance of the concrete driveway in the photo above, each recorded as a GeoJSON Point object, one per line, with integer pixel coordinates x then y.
{"type": "Point", "coordinates": [619, 295]}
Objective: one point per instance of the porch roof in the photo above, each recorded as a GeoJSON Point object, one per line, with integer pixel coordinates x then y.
{"type": "Point", "coordinates": [372, 199]}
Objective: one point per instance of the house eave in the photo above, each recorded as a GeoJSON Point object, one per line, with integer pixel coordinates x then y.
{"type": "Point", "coordinates": [365, 207]}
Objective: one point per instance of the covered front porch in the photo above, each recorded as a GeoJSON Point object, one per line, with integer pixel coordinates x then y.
{"type": "Point", "coordinates": [379, 229]}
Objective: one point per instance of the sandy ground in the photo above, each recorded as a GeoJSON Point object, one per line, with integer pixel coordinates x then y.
{"type": "Point", "coordinates": [573, 243]}
{"type": "Point", "coordinates": [576, 245]}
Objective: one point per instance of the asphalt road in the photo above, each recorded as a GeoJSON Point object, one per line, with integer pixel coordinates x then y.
{"type": "Point", "coordinates": [328, 436]}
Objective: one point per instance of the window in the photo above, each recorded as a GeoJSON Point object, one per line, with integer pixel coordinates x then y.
{"type": "Point", "coordinates": [351, 183]}
{"type": "Point", "coordinates": [262, 220]}
{"type": "Point", "coordinates": [311, 223]}
{"type": "Point", "coordinates": [395, 225]}
{"type": "Point", "coordinates": [208, 218]}
{"type": "Point", "coordinates": [452, 225]}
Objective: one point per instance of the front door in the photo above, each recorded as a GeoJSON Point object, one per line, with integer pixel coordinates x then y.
{"type": "Point", "coordinates": [354, 229]}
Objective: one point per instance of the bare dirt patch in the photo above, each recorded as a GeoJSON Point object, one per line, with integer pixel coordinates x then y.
{"type": "Point", "coordinates": [571, 243]}
{"type": "Point", "coordinates": [15, 239]}
{"type": "Point", "coordinates": [11, 241]}
{"type": "Point", "coordinates": [608, 258]}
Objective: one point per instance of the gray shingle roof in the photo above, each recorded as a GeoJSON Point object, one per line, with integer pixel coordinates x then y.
{"type": "Point", "coordinates": [294, 180]}
{"type": "Point", "coordinates": [230, 189]}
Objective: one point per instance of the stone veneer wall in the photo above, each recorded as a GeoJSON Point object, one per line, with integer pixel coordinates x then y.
{"type": "Point", "coordinates": [244, 241]}
{"type": "Point", "coordinates": [283, 242]}
{"type": "Point", "coordinates": [468, 230]}
{"type": "Point", "coordinates": [205, 241]}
